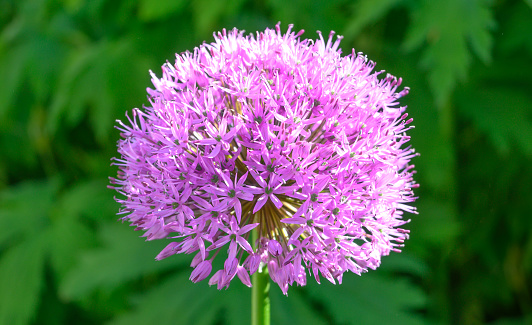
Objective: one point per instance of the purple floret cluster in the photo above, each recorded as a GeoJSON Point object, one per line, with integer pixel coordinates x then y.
{"type": "Point", "coordinates": [274, 153]}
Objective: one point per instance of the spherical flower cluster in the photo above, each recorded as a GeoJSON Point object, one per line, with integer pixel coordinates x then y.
{"type": "Point", "coordinates": [277, 137]}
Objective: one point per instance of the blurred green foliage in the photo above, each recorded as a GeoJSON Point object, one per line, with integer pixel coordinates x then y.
{"type": "Point", "coordinates": [69, 68]}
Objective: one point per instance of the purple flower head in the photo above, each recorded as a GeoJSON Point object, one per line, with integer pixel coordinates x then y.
{"type": "Point", "coordinates": [272, 135]}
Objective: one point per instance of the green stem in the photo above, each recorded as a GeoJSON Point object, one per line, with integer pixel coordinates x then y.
{"type": "Point", "coordinates": [260, 298]}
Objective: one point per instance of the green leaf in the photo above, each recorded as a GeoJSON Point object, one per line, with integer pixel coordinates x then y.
{"type": "Point", "coordinates": [25, 208]}
{"type": "Point", "coordinates": [68, 237]}
{"type": "Point", "coordinates": [123, 258]}
{"type": "Point", "coordinates": [154, 10]}
{"type": "Point", "coordinates": [27, 54]}
{"type": "Point", "coordinates": [235, 303]}
{"type": "Point", "coordinates": [513, 37]}
{"type": "Point", "coordinates": [21, 280]}
{"type": "Point", "coordinates": [178, 300]}
{"type": "Point", "coordinates": [479, 27]}
{"type": "Point", "coordinates": [365, 13]}
{"type": "Point", "coordinates": [526, 319]}
{"type": "Point", "coordinates": [434, 214]}
{"type": "Point", "coordinates": [405, 263]}
{"type": "Point", "coordinates": [294, 308]}
{"type": "Point", "coordinates": [175, 301]}
{"type": "Point", "coordinates": [370, 299]}
{"type": "Point", "coordinates": [501, 113]}
{"type": "Point", "coordinates": [87, 199]}
{"type": "Point", "coordinates": [207, 14]}
{"type": "Point", "coordinates": [102, 80]}
{"type": "Point", "coordinates": [447, 56]}
{"type": "Point", "coordinates": [12, 64]}
{"type": "Point", "coordinates": [74, 89]}
{"type": "Point", "coordinates": [527, 254]}
{"type": "Point", "coordinates": [47, 55]}
{"type": "Point", "coordinates": [436, 164]}
{"type": "Point", "coordinates": [72, 5]}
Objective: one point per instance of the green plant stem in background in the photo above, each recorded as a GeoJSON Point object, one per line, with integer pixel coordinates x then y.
{"type": "Point", "coordinates": [260, 293]}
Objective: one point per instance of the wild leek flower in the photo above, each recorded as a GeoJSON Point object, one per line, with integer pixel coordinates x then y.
{"type": "Point", "coordinates": [274, 135]}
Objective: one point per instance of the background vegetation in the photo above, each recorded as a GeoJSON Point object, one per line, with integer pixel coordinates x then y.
{"type": "Point", "coordinates": [69, 68]}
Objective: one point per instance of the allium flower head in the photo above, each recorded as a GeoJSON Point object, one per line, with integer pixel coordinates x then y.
{"type": "Point", "coordinates": [274, 135]}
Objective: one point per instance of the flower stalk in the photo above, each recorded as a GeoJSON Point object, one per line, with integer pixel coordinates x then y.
{"type": "Point", "coordinates": [260, 293]}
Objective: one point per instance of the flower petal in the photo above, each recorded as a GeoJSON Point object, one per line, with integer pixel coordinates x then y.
{"type": "Point", "coordinates": [244, 244]}
{"type": "Point", "coordinates": [245, 196]}
{"type": "Point", "coordinates": [207, 141]}
{"type": "Point", "coordinates": [238, 210]}
{"type": "Point", "coordinates": [247, 228]}
{"type": "Point", "coordinates": [260, 203]}
{"type": "Point", "coordinates": [258, 178]}
{"type": "Point", "coordinates": [242, 179]}
{"type": "Point", "coordinates": [214, 151]}
{"type": "Point", "coordinates": [297, 220]}
{"type": "Point", "coordinates": [295, 235]}
{"type": "Point", "coordinates": [278, 204]}
{"type": "Point", "coordinates": [243, 276]}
